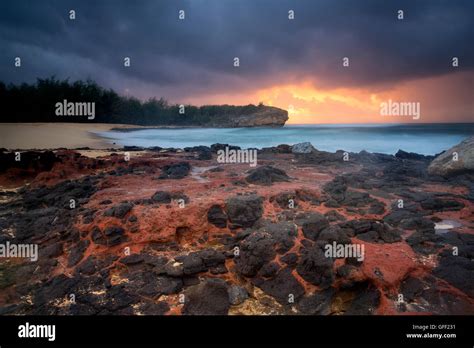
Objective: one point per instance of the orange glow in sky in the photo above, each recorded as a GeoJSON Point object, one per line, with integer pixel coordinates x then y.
{"type": "Point", "coordinates": [440, 98]}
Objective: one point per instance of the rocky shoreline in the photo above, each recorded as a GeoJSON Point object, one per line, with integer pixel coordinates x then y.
{"type": "Point", "coordinates": [171, 231]}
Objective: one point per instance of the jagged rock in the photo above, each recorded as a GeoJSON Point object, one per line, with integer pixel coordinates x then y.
{"type": "Point", "coordinates": [161, 197]}
{"type": "Point", "coordinates": [266, 175]}
{"type": "Point", "coordinates": [424, 241]}
{"type": "Point", "coordinates": [283, 287]}
{"type": "Point", "coordinates": [373, 231]}
{"type": "Point", "coordinates": [314, 267]}
{"type": "Point", "coordinates": [114, 235]}
{"type": "Point", "coordinates": [148, 308]}
{"type": "Point", "coordinates": [237, 294]}
{"type": "Point", "coordinates": [410, 155]}
{"type": "Point", "coordinates": [133, 259]}
{"type": "Point", "coordinates": [204, 152]}
{"type": "Point", "coordinates": [30, 160]}
{"type": "Point", "coordinates": [211, 257]}
{"type": "Point", "coordinates": [366, 301]}
{"type": "Point", "coordinates": [305, 147]}
{"type": "Point", "coordinates": [210, 297]}
{"type": "Point", "coordinates": [222, 147]}
{"type": "Point", "coordinates": [283, 233]}
{"type": "Point", "coordinates": [119, 211]}
{"type": "Point", "coordinates": [77, 252]}
{"type": "Point", "coordinates": [51, 251]}
{"type": "Point", "coordinates": [336, 188]}
{"type": "Point", "coordinates": [175, 171]}
{"type": "Point", "coordinates": [312, 224]}
{"type": "Point", "coordinates": [333, 215]}
{"type": "Point", "coordinates": [438, 204]}
{"type": "Point", "coordinates": [255, 251]}
{"type": "Point", "coordinates": [217, 216]}
{"type": "Point", "coordinates": [244, 211]}
{"type": "Point", "coordinates": [334, 234]}
{"type": "Point", "coordinates": [148, 284]}
{"type": "Point", "coordinates": [458, 270]}
{"type": "Point", "coordinates": [284, 199]}
{"type": "Point", "coordinates": [445, 165]}
{"type": "Point", "coordinates": [317, 304]}
{"type": "Point", "coordinates": [291, 259]}
{"type": "Point", "coordinates": [269, 270]}
{"type": "Point", "coordinates": [192, 264]}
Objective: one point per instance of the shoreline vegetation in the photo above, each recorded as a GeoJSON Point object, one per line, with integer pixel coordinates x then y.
{"type": "Point", "coordinates": [39, 102]}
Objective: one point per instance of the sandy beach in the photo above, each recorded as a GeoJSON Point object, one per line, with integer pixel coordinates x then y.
{"type": "Point", "coordinates": [55, 135]}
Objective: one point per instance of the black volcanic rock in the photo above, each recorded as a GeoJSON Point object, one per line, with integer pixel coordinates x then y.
{"type": "Point", "coordinates": [29, 160]}
{"type": "Point", "coordinates": [317, 304]}
{"type": "Point", "coordinates": [175, 171]}
{"type": "Point", "coordinates": [411, 156]}
{"type": "Point", "coordinates": [217, 216]}
{"type": "Point", "coordinates": [221, 147]}
{"type": "Point", "coordinates": [438, 204]}
{"type": "Point", "coordinates": [283, 287]}
{"type": "Point", "coordinates": [161, 197]}
{"type": "Point", "coordinates": [315, 267]}
{"type": "Point", "coordinates": [283, 233]}
{"type": "Point", "coordinates": [266, 175]}
{"type": "Point", "coordinates": [255, 251]}
{"type": "Point", "coordinates": [366, 301]}
{"type": "Point", "coordinates": [119, 211]}
{"type": "Point", "coordinates": [244, 211]}
{"type": "Point", "coordinates": [209, 297]}
{"type": "Point", "coordinates": [312, 224]}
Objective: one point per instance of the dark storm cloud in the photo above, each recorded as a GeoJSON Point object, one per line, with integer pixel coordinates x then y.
{"type": "Point", "coordinates": [177, 58]}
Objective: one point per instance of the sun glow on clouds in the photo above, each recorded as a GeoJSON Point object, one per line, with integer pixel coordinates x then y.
{"type": "Point", "coordinates": [446, 98]}
{"type": "Point", "coordinates": [308, 104]}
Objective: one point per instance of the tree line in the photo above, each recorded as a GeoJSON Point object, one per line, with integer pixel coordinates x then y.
{"type": "Point", "coordinates": [36, 103]}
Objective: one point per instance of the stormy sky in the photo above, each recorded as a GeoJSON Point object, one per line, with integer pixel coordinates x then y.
{"type": "Point", "coordinates": [289, 63]}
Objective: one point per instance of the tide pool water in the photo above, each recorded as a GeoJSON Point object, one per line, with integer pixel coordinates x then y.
{"type": "Point", "coordinates": [427, 139]}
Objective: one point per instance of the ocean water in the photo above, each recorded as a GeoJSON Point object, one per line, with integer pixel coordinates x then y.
{"type": "Point", "coordinates": [427, 139]}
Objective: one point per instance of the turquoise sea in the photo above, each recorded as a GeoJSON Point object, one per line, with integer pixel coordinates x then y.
{"type": "Point", "coordinates": [427, 139]}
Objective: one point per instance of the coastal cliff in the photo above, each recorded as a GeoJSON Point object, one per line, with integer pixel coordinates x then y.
{"type": "Point", "coordinates": [264, 116]}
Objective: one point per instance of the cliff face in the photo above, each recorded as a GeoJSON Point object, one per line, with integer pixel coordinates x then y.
{"type": "Point", "coordinates": [268, 116]}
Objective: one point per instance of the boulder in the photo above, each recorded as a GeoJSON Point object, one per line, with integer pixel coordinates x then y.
{"type": "Point", "coordinates": [175, 171]}
{"type": "Point", "coordinates": [284, 287]}
{"type": "Point", "coordinates": [315, 268]}
{"type": "Point", "coordinates": [209, 297]}
{"type": "Point", "coordinates": [237, 294]}
{"type": "Point", "coordinates": [244, 211]}
{"type": "Point", "coordinates": [255, 251]}
{"type": "Point", "coordinates": [312, 224]}
{"type": "Point", "coordinates": [266, 175]}
{"type": "Point", "coordinates": [305, 147]}
{"type": "Point", "coordinates": [446, 165]}
{"type": "Point", "coordinates": [217, 216]}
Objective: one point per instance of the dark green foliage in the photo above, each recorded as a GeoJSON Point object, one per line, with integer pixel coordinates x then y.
{"type": "Point", "coordinates": [36, 103]}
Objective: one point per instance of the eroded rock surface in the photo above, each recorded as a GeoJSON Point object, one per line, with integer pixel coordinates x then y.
{"type": "Point", "coordinates": [175, 232]}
